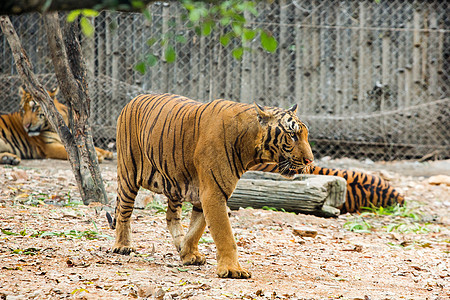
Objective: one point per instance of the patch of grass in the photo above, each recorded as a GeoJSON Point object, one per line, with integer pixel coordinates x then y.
{"type": "Point", "coordinates": [28, 251]}
{"type": "Point", "coordinates": [71, 202]}
{"type": "Point", "coordinates": [87, 234]}
{"type": "Point", "coordinates": [275, 209]}
{"type": "Point", "coordinates": [206, 240]}
{"type": "Point", "coordinates": [411, 228]}
{"type": "Point", "coordinates": [359, 225]}
{"type": "Point", "coordinates": [157, 206]}
{"type": "Point", "coordinates": [7, 232]}
{"type": "Point", "coordinates": [407, 210]}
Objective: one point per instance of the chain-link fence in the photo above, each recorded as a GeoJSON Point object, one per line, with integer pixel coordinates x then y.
{"type": "Point", "coordinates": [371, 79]}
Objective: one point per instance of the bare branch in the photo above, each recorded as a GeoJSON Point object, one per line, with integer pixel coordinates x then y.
{"type": "Point", "coordinates": [16, 7]}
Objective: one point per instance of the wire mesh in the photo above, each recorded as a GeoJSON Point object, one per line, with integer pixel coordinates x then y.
{"type": "Point", "coordinates": [371, 79]}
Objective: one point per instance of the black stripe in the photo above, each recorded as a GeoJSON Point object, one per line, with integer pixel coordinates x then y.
{"type": "Point", "coordinates": [218, 185]}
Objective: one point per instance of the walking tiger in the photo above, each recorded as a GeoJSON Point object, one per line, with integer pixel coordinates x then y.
{"type": "Point", "coordinates": [190, 151]}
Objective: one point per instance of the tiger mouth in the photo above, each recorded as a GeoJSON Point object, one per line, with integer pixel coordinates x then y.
{"type": "Point", "coordinates": [34, 131]}
{"type": "Point", "coordinates": [288, 167]}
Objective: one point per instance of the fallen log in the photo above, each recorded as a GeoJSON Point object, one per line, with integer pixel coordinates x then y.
{"type": "Point", "coordinates": [309, 194]}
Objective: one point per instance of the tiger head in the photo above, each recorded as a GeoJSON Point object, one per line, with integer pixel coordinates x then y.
{"type": "Point", "coordinates": [33, 118]}
{"type": "Point", "coordinates": [284, 140]}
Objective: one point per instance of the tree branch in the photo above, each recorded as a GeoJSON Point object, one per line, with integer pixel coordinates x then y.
{"type": "Point", "coordinates": [17, 7]}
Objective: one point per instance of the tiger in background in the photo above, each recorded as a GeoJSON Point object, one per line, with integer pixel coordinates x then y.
{"type": "Point", "coordinates": [196, 152]}
{"type": "Point", "coordinates": [27, 134]}
{"type": "Point", "coordinates": [363, 190]}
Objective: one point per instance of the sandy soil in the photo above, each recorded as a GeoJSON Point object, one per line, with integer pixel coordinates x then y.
{"type": "Point", "coordinates": [52, 247]}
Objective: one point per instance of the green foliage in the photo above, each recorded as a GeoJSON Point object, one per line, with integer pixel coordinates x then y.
{"type": "Point", "coordinates": [406, 211]}
{"type": "Point", "coordinates": [227, 17]}
{"type": "Point", "coordinates": [87, 234]}
{"type": "Point", "coordinates": [269, 208]}
{"type": "Point", "coordinates": [157, 206]}
{"type": "Point", "coordinates": [7, 232]}
{"type": "Point", "coordinates": [206, 240]}
{"type": "Point", "coordinates": [411, 228]}
{"type": "Point", "coordinates": [27, 251]}
{"type": "Point", "coordinates": [86, 27]}
{"type": "Point", "coordinates": [358, 224]}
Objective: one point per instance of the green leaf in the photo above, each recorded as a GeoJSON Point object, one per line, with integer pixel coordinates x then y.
{"type": "Point", "coordinates": [195, 14]}
{"type": "Point", "coordinates": [225, 21]}
{"type": "Point", "coordinates": [238, 52]}
{"type": "Point", "coordinates": [73, 15]}
{"type": "Point", "coordinates": [237, 28]}
{"type": "Point", "coordinates": [151, 60]}
{"type": "Point", "coordinates": [140, 67]}
{"type": "Point", "coordinates": [170, 54]}
{"type": "Point", "coordinates": [225, 39]}
{"type": "Point", "coordinates": [150, 42]}
{"type": "Point", "coordinates": [7, 232]}
{"type": "Point", "coordinates": [90, 12]}
{"type": "Point", "coordinates": [147, 15]}
{"type": "Point", "coordinates": [180, 39]}
{"type": "Point", "coordinates": [207, 28]}
{"type": "Point", "coordinates": [268, 42]}
{"type": "Point", "coordinates": [86, 27]}
{"type": "Point", "coordinates": [46, 5]}
{"type": "Point", "coordinates": [137, 4]}
{"type": "Point", "coordinates": [249, 34]}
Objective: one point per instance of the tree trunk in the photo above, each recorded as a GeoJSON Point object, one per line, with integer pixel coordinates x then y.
{"type": "Point", "coordinates": [70, 72]}
{"type": "Point", "coordinates": [308, 194]}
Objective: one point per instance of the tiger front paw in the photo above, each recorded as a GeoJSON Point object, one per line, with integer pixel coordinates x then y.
{"type": "Point", "coordinates": [108, 155]}
{"type": "Point", "coordinates": [9, 159]}
{"type": "Point", "coordinates": [194, 258]}
{"type": "Point", "coordinates": [233, 271]}
{"type": "Point", "coordinates": [124, 250]}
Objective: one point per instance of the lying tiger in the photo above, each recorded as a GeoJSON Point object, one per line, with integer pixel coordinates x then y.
{"type": "Point", "coordinates": [27, 134]}
{"type": "Point", "coordinates": [363, 190]}
{"type": "Point", "coordinates": [196, 152]}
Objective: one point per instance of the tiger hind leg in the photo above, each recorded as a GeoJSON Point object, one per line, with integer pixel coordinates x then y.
{"type": "Point", "coordinates": [173, 218]}
{"type": "Point", "coordinates": [189, 247]}
{"type": "Point", "coordinates": [122, 220]}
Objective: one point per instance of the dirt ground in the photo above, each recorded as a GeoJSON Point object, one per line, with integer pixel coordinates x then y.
{"type": "Point", "coordinates": [53, 247]}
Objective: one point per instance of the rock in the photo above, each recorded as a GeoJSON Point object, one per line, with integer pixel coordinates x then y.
{"type": "Point", "coordinates": [19, 174]}
{"type": "Point", "coordinates": [439, 179]}
{"type": "Point", "coordinates": [305, 232]}
{"type": "Point", "coordinates": [146, 291]}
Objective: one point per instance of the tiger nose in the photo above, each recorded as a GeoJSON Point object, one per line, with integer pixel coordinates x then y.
{"type": "Point", "coordinates": [307, 161]}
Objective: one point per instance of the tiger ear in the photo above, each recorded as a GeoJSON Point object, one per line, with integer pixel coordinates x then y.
{"type": "Point", "coordinates": [263, 116]}
{"type": "Point", "coordinates": [293, 109]}
{"type": "Point", "coordinates": [52, 93]}
{"type": "Point", "coordinates": [21, 91]}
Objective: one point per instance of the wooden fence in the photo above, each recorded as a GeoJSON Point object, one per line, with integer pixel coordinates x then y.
{"type": "Point", "coordinates": [371, 79]}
